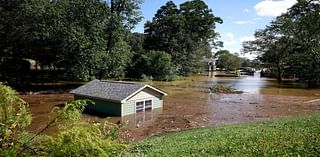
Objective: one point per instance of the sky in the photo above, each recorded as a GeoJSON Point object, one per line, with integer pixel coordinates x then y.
{"type": "Point", "coordinates": [241, 18]}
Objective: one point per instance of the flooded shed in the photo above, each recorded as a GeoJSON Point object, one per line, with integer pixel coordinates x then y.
{"type": "Point", "coordinates": [119, 98]}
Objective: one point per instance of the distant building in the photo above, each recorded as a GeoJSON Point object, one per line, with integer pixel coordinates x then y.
{"type": "Point", "coordinates": [211, 63]}
{"type": "Point", "coordinates": [120, 98]}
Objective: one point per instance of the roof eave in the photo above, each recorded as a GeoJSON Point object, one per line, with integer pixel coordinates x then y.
{"type": "Point", "coordinates": [139, 90]}
{"type": "Point", "coordinates": [158, 90]}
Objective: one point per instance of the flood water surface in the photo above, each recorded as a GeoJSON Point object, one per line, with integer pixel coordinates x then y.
{"type": "Point", "coordinates": [189, 104]}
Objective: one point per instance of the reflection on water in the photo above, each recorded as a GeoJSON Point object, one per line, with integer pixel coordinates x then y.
{"type": "Point", "coordinates": [248, 84]}
{"type": "Point", "coordinates": [131, 121]}
{"type": "Point", "coordinates": [257, 85]}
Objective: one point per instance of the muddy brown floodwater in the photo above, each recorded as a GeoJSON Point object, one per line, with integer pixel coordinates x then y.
{"type": "Point", "coordinates": [189, 104]}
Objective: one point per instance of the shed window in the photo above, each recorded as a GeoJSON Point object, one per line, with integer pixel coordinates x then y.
{"type": "Point", "coordinates": [143, 105]}
{"type": "Point", "coordinates": [148, 104]}
{"type": "Point", "coordinates": [140, 106]}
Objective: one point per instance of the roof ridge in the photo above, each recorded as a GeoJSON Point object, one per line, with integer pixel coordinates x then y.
{"type": "Point", "coordinates": [123, 82]}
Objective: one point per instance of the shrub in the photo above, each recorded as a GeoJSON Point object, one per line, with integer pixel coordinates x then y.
{"type": "Point", "coordinates": [14, 118]}
{"type": "Point", "coordinates": [74, 137]}
{"type": "Point", "coordinates": [80, 140]}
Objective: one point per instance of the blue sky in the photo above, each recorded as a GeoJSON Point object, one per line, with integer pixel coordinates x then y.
{"type": "Point", "coordinates": [241, 17]}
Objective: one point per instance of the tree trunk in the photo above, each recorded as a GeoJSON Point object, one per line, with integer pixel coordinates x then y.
{"type": "Point", "coordinates": [279, 77]}
{"type": "Point", "coordinates": [310, 80]}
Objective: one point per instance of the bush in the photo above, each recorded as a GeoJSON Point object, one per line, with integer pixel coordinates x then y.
{"type": "Point", "coordinates": [146, 78]}
{"type": "Point", "coordinates": [14, 118]}
{"type": "Point", "coordinates": [80, 140]}
{"type": "Point", "coordinates": [74, 137]}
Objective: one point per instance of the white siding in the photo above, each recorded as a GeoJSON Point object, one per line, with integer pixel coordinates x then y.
{"type": "Point", "coordinates": [144, 94]}
{"type": "Point", "coordinates": [128, 108]}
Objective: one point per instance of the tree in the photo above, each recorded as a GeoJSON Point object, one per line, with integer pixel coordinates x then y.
{"type": "Point", "coordinates": [246, 62]}
{"type": "Point", "coordinates": [164, 32]}
{"type": "Point", "coordinates": [272, 46]}
{"type": "Point", "coordinates": [291, 42]}
{"type": "Point", "coordinates": [226, 60]}
{"type": "Point", "coordinates": [304, 23]}
{"type": "Point", "coordinates": [156, 64]}
{"type": "Point", "coordinates": [11, 27]}
{"type": "Point", "coordinates": [77, 37]}
{"type": "Point", "coordinates": [123, 16]}
{"type": "Point", "coordinates": [187, 34]}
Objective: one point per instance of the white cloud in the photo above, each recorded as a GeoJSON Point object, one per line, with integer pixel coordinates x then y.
{"type": "Point", "coordinates": [246, 10]}
{"type": "Point", "coordinates": [233, 44]}
{"type": "Point", "coordinates": [233, 50]}
{"type": "Point", "coordinates": [228, 39]}
{"type": "Point", "coordinates": [273, 7]}
{"type": "Point", "coordinates": [246, 38]}
{"type": "Point", "coordinates": [244, 22]}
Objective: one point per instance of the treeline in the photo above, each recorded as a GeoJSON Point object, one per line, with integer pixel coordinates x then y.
{"type": "Point", "coordinates": [290, 45]}
{"type": "Point", "coordinates": [81, 40]}
{"type": "Point", "coordinates": [76, 36]}
{"type": "Point", "coordinates": [230, 62]}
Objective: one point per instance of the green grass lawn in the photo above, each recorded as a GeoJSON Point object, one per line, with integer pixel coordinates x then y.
{"type": "Point", "coordinates": [285, 137]}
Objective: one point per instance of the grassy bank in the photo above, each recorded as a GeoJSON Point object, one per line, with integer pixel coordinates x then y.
{"type": "Point", "coordinates": [285, 137]}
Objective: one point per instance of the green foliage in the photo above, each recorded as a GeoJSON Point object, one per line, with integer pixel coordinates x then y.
{"type": "Point", "coordinates": [187, 34]}
{"type": "Point", "coordinates": [136, 42]}
{"type": "Point", "coordinates": [146, 78]}
{"type": "Point", "coordinates": [226, 60]}
{"type": "Point", "coordinates": [74, 137]}
{"type": "Point", "coordinates": [119, 57]}
{"type": "Point", "coordinates": [285, 137]}
{"type": "Point", "coordinates": [13, 110]}
{"type": "Point", "coordinates": [72, 111]}
{"type": "Point", "coordinates": [14, 118]}
{"type": "Point", "coordinates": [75, 37]}
{"type": "Point", "coordinates": [290, 44]}
{"type": "Point", "coordinates": [80, 140]}
{"type": "Point", "coordinates": [155, 64]}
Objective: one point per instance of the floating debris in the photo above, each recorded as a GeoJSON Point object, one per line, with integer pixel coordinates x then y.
{"type": "Point", "coordinates": [220, 88]}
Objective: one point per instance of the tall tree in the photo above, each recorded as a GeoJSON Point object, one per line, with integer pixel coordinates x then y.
{"type": "Point", "coordinates": [272, 46]}
{"type": "Point", "coordinates": [186, 34]}
{"type": "Point", "coordinates": [12, 28]}
{"type": "Point", "coordinates": [124, 15]}
{"type": "Point", "coordinates": [165, 30]}
{"type": "Point", "coordinates": [304, 21]}
{"type": "Point", "coordinates": [292, 42]}
{"type": "Point", "coordinates": [80, 37]}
